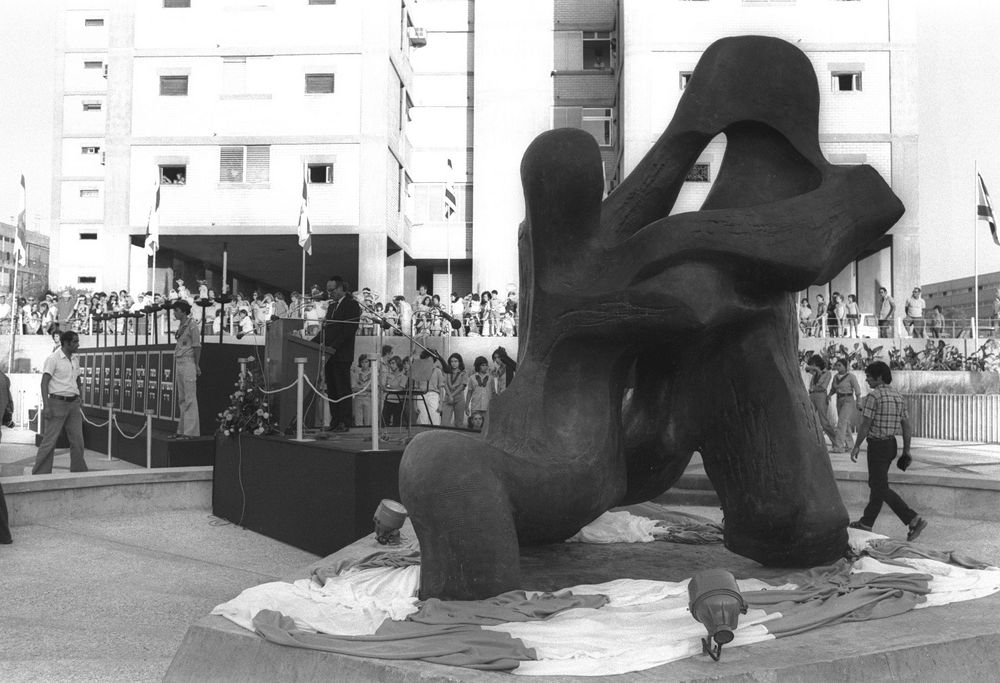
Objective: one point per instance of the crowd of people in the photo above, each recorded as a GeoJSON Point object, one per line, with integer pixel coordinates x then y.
{"type": "Point", "coordinates": [424, 388]}
{"type": "Point", "coordinates": [486, 314]}
{"type": "Point", "coordinates": [841, 317]}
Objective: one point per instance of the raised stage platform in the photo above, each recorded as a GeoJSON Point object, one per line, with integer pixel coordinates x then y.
{"type": "Point", "coordinates": [315, 495]}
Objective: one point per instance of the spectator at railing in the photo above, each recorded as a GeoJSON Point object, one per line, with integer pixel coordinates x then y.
{"type": "Point", "coordinates": [838, 323]}
{"type": "Point", "coordinates": [391, 317]}
{"type": "Point", "coordinates": [819, 319]}
{"type": "Point", "coordinates": [914, 309]}
{"type": "Point", "coordinates": [936, 323]}
{"type": "Point", "coordinates": [995, 318]}
{"type": "Point", "coordinates": [805, 317]}
{"type": "Point", "coordinates": [853, 316]}
{"type": "Point", "coordinates": [886, 313]}
{"type": "Point", "coordinates": [422, 317]}
{"type": "Point", "coordinates": [405, 312]}
{"type": "Point", "coordinates": [453, 386]}
{"type": "Point", "coordinates": [487, 322]}
{"type": "Point", "coordinates": [472, 322]}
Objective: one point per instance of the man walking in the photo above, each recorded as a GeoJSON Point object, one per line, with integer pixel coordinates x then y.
{"type": "Point", "coordinates": [884, 415]}
{"type": "Point", "coordinates": [886, 313]}
{"type": "Point", "coordinates": [340, 326]}
{"type": "Point", "coordinates": [914, 321]}
{"type": "Point", "coordinates": [61, 406]}
{"type": "Point", "coordinates": [187, 369]}
{"type": "Point", "coordinates": [6, 411]}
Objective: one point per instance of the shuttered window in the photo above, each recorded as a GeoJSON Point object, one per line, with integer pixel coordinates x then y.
{"type": "Point", "coordinates": [93, 64]}
{"type": "Point", "coordinates": [319, 83]}
{"type": "Point", "coordinates": [245, 164]}
{"type": "Point", "coordinates": [173, 85]}
{"type": "Point", "coordinates": [93, 22]}
{"type": "Point", "coordinates": [258, 163]}
{"type": "Point", "coordinates": [176, 3]}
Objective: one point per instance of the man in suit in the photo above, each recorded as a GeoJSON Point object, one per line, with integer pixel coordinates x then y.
{"type": "Point", "coordinates": [6, 411]}
{"type": "Point", "coordinates": [340, 326]}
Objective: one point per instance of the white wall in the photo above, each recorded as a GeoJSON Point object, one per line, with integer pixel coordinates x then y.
{"type": "Point", "coordinates": [75, 163]}
{"type": "Point", "coordinates": [204, 201]}
{"type": "Point", "coordinates": [274, 102]}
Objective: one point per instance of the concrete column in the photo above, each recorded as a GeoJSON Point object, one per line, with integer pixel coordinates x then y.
{"type": "Point", "coordinates": [372, 263]}
{"type": "Point", "coordinates": [410, 282]}
{"type": "Point", "coordinates": [393, 275]}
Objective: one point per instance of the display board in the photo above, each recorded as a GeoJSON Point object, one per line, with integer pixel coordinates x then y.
{"type": "Point", "coordinates": [132, 379]}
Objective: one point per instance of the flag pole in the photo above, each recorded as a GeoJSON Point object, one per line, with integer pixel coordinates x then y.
{"type": "Point", "coordinates": [13, 316]}
{"type": "Point", "coordinates": [303, 290]}
{"type": "Point", "coordinates": [975, 263]}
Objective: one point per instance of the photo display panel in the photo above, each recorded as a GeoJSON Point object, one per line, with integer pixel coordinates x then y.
{"type": "Point", "coordinates": [139, 393]}
{"type": "Point", "coordinates": [116, 382]}
{"type": "Point", "coordinates": [166, 409]}
{"type": "Point", "coordinates": [85, 360]}
{"type": "Point", "coordinates": [153, 382]}
{"type": "Point", "coordinates": [128, 382]}
{"type": "Point", "coordinates": [106, 379]}
{"type": "Point", "coordinates": [97, 374]}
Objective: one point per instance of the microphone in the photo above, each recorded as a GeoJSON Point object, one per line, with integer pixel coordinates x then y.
{"type": "Point", "coordinates": [456, 324]}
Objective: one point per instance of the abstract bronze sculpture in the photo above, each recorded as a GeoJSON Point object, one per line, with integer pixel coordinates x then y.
{"type": "Point", "coordinates": [696, 308]}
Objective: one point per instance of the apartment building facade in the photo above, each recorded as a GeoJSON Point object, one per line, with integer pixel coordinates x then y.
{"type": "Point", "coordinates": [223, 110]}
{"type": "Point", "coordinates": [386, 104]}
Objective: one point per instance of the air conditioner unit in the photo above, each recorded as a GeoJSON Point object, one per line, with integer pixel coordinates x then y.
{"type": "Point", "coordinates": [105, 70]}
{"type": "Point", "coordinates": [104, 157]}
{"type": "Point", "coordinates": [417, 36]}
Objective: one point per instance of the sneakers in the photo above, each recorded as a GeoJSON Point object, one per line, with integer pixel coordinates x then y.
{"type": "Point", "coordinates": [916, 526]}
{"type": "Point", "coordinates": [860, 525]}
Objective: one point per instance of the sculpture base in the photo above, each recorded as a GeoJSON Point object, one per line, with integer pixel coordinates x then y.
{"type": "Point", "coordinates": [953, 642]}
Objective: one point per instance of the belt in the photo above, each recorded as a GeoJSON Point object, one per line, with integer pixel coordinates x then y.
{"type": "Point", "coordinates": [844, 395]}
{"type": "Point", "coordinates": [60, 397]}
{"type": "Point", "coordinates": [881, 438]}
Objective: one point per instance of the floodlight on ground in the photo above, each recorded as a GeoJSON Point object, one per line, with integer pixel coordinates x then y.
{"type": "Point", "coordinates": [716, 602]}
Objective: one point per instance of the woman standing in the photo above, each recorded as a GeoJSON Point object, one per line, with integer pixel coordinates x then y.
{"type": "Point", "coordinates": [486, 314]}
{"type": "Point", "coordinates": [361, 381]}
{"type": "Point", "coordinates": [817, 394]}
{"type": "Point", "coordinates": [845, 386]}
{"type": "Point", "coordinates": [453, 392]}
{"type": "Point", "coordinates": [393, 385]}
{"type": "Point", "coordinates": [840, 310]}
{"type": "Point", "coordinates": [481, 388]}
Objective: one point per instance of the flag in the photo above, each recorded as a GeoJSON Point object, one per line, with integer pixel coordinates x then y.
{"type": "Point", "coordinates": [21, 234]}
{"type": "Point", "coordinates": [305, 231]}
{"type": "Point", "coordinates": [153, 224]}
{"type": "Point", "coordinates": [449, 193]}
{"type": "Point", "coordinates": [984, 209]}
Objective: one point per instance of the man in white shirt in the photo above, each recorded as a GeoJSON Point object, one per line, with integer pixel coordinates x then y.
{"type": "Point", "coordinates": [61, 406]}
{"type": "Point", "coordinates": [405, 315]}
{"type": "Point", "coordinates": [914, 320]}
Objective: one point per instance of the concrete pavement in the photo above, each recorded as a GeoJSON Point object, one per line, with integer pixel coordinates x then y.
{"type": "Point", "coordinates": [109, 598]}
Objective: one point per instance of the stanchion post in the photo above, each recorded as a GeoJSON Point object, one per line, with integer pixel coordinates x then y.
{"type": "Point", "coordinates": [375, 400]}
{"type": "Point", "coordinates": [149, 439]}
{"type": "Point", "coordinates": [300, 372]}
{"type": "Point", "coordinates": [111, 427]}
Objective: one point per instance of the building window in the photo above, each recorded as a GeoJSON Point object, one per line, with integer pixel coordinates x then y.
{"type": "Point", "coordinates": [176, 3]}
{"type": "Point", "coordinates": [173, 85]}
{"type": "Point", "coordinates": [596, 50]}
{"type": "Point", "coordinates": [699, 173]}
{"type": "Point", "coordinates": [320, 173]}
{"type": "Point", "coordinates": [685, 79]}
{"type": "Point", "coordinates": [93, 64]}
{"type": "Point", "coordinates": [88, 235]}
{"type": "Point", "coordinates": [87, 280]}
{"type": "Point", "coordinates": [173, 174]}
{"type": "Point", "coordinates": [91, 105]}
{"type": "Point", "coordinates": [91, 149]}
{"type": "Point", "coordinates": [245, 164]}
{"type": "Point", "coordinates": [846, 81]}
{"type": "Point", "coordinates": [322, 2]}
{"type": "Point", "coordinates": [90, 193]}
{"type": "Point", "coordinates": [319, 84]}
{"type": "Point", "coordinates": [600, 124]}
{"type": "Point", "coordinates": [93, 22]}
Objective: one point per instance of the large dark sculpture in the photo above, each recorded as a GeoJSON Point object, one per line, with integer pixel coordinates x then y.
{"type": "Point", "coordinates": [695, 311]}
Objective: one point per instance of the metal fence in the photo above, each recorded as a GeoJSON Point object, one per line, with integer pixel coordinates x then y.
{"type": "Point", "coordinates": [957, 417]}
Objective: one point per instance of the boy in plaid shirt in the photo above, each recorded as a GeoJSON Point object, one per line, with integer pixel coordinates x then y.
{"type": "Point", "coordinates": [884, 415]}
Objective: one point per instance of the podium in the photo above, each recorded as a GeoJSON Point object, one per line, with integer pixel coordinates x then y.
{"type": "Point", "coordinates": [281, 346]}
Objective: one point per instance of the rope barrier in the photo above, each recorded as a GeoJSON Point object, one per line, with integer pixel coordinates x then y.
{"type": "Point", "coordinates": [278, 391]}
{"type": "Point", "coordinates": [93, 424]}
{"type": "Point", "coordinates": [327, 398]}
{"type": "Point", "coordinates": [137, 434]}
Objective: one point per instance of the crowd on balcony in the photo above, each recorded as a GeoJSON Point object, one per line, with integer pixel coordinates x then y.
{"type": "Point", "coordinates": [427, 389]}
{"type": "Point", "coordinates": [486, 314]}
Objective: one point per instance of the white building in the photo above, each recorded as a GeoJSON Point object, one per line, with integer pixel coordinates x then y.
{"type": "Point", "coordinates": [242, 96]}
